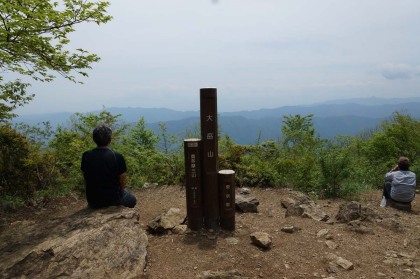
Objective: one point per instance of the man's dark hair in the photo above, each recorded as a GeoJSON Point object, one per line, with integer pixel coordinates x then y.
{"type": "Point", "coordinates": [403, 163]}
{"type": "Point", "coordinates": [102, 135]}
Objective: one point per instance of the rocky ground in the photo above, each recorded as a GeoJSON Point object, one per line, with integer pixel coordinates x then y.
{"type": "Point", "coordinates": [378, 243]}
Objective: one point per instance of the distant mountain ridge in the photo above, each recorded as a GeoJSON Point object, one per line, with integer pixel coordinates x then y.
{"type": "Point", "coordinates": [329, 110]}
{"type": "Point", "coordinates": [246, 131]}
{"type": "Point", "coordinates": [330, 118]}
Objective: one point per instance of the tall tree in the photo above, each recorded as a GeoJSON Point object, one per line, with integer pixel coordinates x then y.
{"type": "Point", "coordinates": [33, 39]}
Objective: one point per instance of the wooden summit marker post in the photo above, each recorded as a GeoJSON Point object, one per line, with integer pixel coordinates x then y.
{"type": "Point", "coordinates": [227, 199]}
{"type": "Point", "coordinates": [208, 119]}
{"type": "Point", "coordinates": [192, 155]}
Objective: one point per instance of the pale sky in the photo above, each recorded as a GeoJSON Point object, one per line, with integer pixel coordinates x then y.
{"type": "Point", "coordinates": [258, 53]}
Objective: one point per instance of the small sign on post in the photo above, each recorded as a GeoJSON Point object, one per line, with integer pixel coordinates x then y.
{"type": "Point", "coordinates": [192, 155]}
{"type": "Point", "coordinates": [208, 119]}
{"type": "Point", "coordinates": [226, 180]}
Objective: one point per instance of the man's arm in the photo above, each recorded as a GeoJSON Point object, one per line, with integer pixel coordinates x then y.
{"type": "Point", "coordinates": [122, 179]}
{"type": "Point", "coordinates": [390, 175]}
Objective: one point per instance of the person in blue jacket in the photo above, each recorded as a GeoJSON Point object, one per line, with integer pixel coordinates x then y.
{"type": "Point", "coordinates": [400, 183]}
{"type": "Point", "coordinates": [104, 172]}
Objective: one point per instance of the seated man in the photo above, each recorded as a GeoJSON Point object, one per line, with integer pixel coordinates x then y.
{"type": "Point", "coordinates": [104, 171]}
{"type": "Point", "coordinates": [400, 183]}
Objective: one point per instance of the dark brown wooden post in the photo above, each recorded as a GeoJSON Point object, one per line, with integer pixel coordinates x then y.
{"type": "Point", "coordinates": [227, 199]}
{"type": "Point", "coordinates": [192, 155]}
{"type": "Point", "coordinates": [208, 119]}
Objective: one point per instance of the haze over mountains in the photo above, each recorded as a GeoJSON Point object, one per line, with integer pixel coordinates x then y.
{"type": "Point", "coordinates": [345, 117]}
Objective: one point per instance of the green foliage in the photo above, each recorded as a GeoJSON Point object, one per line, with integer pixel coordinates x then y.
{"type": "Point", "coordinates": [256, 172]}
{"type": "Point", "coordinates": [404, 132]}
{"type": "Point", "coordinates": [33, 42]}
{"type": "Point", "coordinates": [334, 162]}
{"type": "Point", "coordinates": [297, 160]}
{"type": "Point", "coordinates": [173, 160]}
{"type": "Point", "coordinates": [139, 149]}
{"type": "Point", "coordinates": [12, 96]}
{"type": "Point", "coordinates": [230, 153]}
{"type": "Point", "coordinates": [15, 175]}
{"type": "Point", "coordinates": [259, 168]}
{"type": "Point", "coordinates": [34, 34]}
{"type": "Point", "coordinates": [298, 132]}
{"type": "Point", "coordinates": [352, 190]}
{"type": "Point", "coordinates": [37, 161]}
{"type": "Point", "coordinates": [396, 137]}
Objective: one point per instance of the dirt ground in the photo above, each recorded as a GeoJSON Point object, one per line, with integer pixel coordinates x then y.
{"type": "Point", "coordinates": [385, 252]}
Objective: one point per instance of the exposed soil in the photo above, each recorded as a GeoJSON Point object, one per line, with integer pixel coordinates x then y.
{"type": "Point", "coordinates": [387, 251]}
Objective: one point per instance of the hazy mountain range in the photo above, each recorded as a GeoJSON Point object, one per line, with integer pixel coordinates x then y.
{"type": "Point", "coordinates": [345, 117]}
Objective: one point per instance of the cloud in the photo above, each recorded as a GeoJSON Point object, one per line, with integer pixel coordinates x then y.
{"type": "Point", "coordinates": [399, 71]}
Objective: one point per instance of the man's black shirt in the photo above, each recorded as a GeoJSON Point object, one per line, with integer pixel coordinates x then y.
{"type": "Point", "coordinates": [101, 168]}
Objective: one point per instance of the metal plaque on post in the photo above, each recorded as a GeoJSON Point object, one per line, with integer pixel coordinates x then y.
{"type": "Point", "coordinates": [192, 154]}
{"type": "Point", "coordinates": [208, 119]}
{"type": "Point", "coordinates": [227, 199]}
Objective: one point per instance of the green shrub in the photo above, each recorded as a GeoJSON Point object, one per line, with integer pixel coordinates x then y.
{"type": "Point", "coordinates": [16, 179]}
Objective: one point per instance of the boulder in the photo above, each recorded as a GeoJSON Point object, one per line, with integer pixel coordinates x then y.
{"type": "Point", "coordinates": [166, 221]}
{"type": "Point", "coordinates": [354, 211]}
{"type": "Point", "coordinates": [299, 204]}
{"type": "Point", "coordinates": [399, 205]}
{"type": "Point", "coordinates": [90, 243]}
{"type": "Point", "coordinates": [246, 203]}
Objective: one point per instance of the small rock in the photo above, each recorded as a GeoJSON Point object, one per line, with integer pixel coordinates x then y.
{"type": "Point", "coordinates": [398, 262]}
{"type": "Point", "coordinates": [322, 233]}
{"type": "Point", "coordinates": [346, 264]}
{"type": "Point", "coordinates": [232, 240]}
{"type": "Point", "coordinates": [380, 274]}
{"type": "Point", "coordinates": [150, 185]}
{"type": "Point", "coordinates": [331, 244]}
{"type": "Point", "coordinates": [343, 263]}
{"type": "Point", "coordinates": [220, 274]}
{"type": "Point", "coordinates": [180, 229]}
{"type": "Point", "coordinates": [261, 239]}
{"type": "Point", "coordinates": [290, 229]}
{"type": "Point", "coordinates": [332, 268]}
